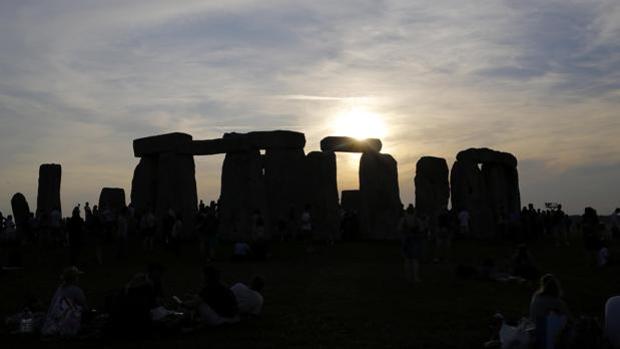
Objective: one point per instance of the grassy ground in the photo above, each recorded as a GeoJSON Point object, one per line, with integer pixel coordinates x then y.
{"type": "Point", "coordinates": [347, 295]}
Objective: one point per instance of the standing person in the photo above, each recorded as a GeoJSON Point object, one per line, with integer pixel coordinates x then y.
{"type": "Point", "coordinates": [96, 228]}
{"type": "Point", "coordinates": [259, 242]}
{"type": "Point", "coordinates": [148, 225]}
{"type": "Point", "coordinates": [444, 236]}
{"type": "Point", "coordinates": [11, 240]}
{"type": "Point", "coordinates": [55, 226]}
{"type": "Point", "coordinates": [463, 223]}
{"type": "Point", "coordinates": [175, 236]}
{"type": "Point", "coordinates": [122, 223]}
{"type": "Point", "coordinates": [75, 229]}
{"type": "Point", "coordinates": [590, 226]}
{"type": "Point", "coordinates": [412, 244]}
{"type": "Point", "coordinates": [306, 228]}
{"type": "Point", "coordinates": [614, 223]}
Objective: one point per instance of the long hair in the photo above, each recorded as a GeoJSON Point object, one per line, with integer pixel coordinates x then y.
{"type": "Point", "coordinates": [550, 286]}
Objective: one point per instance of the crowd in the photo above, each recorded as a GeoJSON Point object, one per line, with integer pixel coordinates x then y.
{"type": "Point", "coordinates": [142, 306]}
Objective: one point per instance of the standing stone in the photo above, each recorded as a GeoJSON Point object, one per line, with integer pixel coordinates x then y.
{"type": "Point", "coordinates": [176, 188]}
{"type": "Point", "coordinates": [21, 210]}
{"type": "Point", "coordinates": [242, 192]}
{"type": "Point", "coordinates": [285, 172]}
{"type": "Point", "coordinates": [112, 198]}
{"type": "Point", "coordinates": [48, 195]}
{"type": "Point", "coordinates": [350, 200]}
{"type": "Point", "coordinates": [488, 191]}
{"type": "Point", "coordinates": [322, 194]}
{"type": "Point", "coordinates": [380, 201]}
{"type": "Point", "coordinates": [432, 189]}
{"type": "Point", "coordinates": [144, 185]}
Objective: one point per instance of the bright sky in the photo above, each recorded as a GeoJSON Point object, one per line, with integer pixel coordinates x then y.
{"type": "Point", "coordinates": [80, 79]}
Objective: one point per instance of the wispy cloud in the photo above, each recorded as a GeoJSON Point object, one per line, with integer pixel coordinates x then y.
{"type": "Point", "coordinates": [80, 80]}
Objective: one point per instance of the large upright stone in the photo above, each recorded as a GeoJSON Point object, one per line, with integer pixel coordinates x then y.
{"type": "Point", "coordinates": [322, 194]}
{"type": "Point", "coordinates": [48, 195]}
{"type": "Point", "coordinates": [488, 191]}
{"type": "Point", "coordinates": [112, 198]}
{"type": "Point", "coordinates": [350, 144]}
{"type": "Point", "coordinates": [144, 185]}
{"type": "Point", "coordinates": [284, 175]}
{"type": "Point", "coordinates": [432, 189]}
{"type": "Point", "coordinates": [242, 192]}
{"type": "Point", "coordinates": [21, 210]}
{"type": "Point", "coordinates": [380, 200]}
{"type": "Point", "coordinates": [176, 188]}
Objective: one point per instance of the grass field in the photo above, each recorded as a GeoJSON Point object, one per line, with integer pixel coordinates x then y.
{"type": "Point", "coordinates": [347, 295]}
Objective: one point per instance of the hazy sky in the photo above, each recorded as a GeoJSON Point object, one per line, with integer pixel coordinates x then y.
{"type": "Point", "coordinates": [80, 79]}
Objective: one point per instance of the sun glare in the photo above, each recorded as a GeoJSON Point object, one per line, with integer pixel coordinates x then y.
{"type": "Point", "coordinates": [359, 123]}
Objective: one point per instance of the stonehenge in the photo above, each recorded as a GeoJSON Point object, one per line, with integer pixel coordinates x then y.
{"type": "Point", "coordinates": [432, 187]}
{"type": "Point", "coordinates": [269, 172]}
{"type": "Point", "coordinates": [112, 198]}
{"type": "Point", "coordinates": [48, 193]}
{"type": "Point", "coordinates": [485, 182]}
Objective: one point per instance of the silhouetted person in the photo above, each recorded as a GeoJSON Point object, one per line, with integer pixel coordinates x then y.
{"type": "Point", "coordinates": [75, 230]}
{"type": "Point", "coordinates": [614, 223]}
{"type": "Point", "coordinates": [413, 241]}
{"type": "Point", "coordinates": [97, 230]}
{"type": "Point", "coordinates": [148, 226]}
{"type": "Point", "coordinates": [591, 226]}
{"type": "Point", "coordinates": [175, 236]}
{"type": "Point", "coordinates": [122, 224]}
{"type": "Point", "coordinates": [305, 228]}
{"type": "Point", "coordinates": [11, 240]}
{"type": "Point", "coordinates": [259, 241]}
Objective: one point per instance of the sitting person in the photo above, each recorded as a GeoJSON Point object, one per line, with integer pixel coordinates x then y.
{"type": "Point", "coordinates": [249, 299]}
{"type": "Point", "coordinates": [215, 303]}
{"type": "Point", "coordinates": [523, 264]}
{"type": "Point", "coordinates": [64, 316]}
{"type": "Point", "coordinates": [547, 304]}
{"type": "Point", "coordinates": [131, 312]}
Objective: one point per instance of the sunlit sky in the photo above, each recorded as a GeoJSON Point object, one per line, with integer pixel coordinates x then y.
{"type": "Point", "coordinates": [541, 79]}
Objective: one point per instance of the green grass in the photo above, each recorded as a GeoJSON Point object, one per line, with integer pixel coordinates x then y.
{"type": "Point", "coordinates": [348, 295]}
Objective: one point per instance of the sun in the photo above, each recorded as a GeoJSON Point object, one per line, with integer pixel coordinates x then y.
{"type": "Point", "coordinates": [360, 123]}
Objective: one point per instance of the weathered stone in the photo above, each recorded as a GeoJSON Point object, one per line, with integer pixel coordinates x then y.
{"type": "Point", "coordinates": [488, 191]}
{"type": "Point", "coordinates": [322, 194]}
{"type": "Point", "coordinates": [380, 201]}
{"type": "Point", "coordinates": [112, 198]}
{"type": "Point", "coordinates": [487, 156]}
{"type": "Point", "coordinates": [350, 200]}
{"type": "Point", "coordinates": [176, 188]}
{"type": "Point", "coordinates": [350, 144]}
{"type": "Point", "coordinates": [432, 189]}
{"type": "Point", "coordinates": [278, 139]}
{"type": "Point", "coordinates": [48, 195]}
{"type": "Point", "coordinates": [469, 193]}
{"type": "Point", "coordinates": [171, 142]}
{"type": "Point", "coordinates": [144, 185]}
{"type": "Point", "coordinates": [285, 187]}
{"type": "Point", "coordinates": [21, 210]}
{"type": "Point", "coordinates": [502, 184]}
{"type": "Point", "coordinates": [242, 192]}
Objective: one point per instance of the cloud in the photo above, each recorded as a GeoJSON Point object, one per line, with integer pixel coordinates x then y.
{"type": "Point", "coordinates": [537, 79]}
